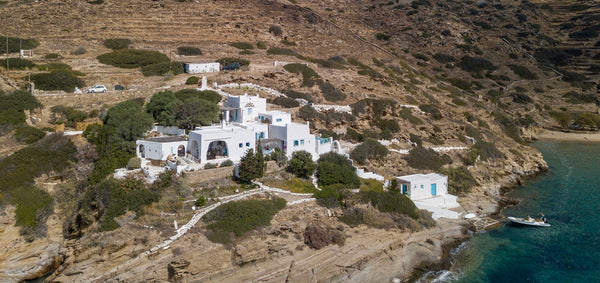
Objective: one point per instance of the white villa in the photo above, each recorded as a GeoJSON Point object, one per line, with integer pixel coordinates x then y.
{"type": "Point", "coordinates": [422, 186]}
{"type": "Point", "coordinates": [245, 122]}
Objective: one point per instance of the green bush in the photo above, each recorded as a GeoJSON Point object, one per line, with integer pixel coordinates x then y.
{"type": "Point", "coordinates": [188, 51]}
{"type": "Point", "coordinates": [246, 52]}
{"type": "Point", "coordinates": [134, 163]}
{"type": "Point", "coordinates": [29, 134]}
{"type": "Point", "coordinates": [275, 30]}
{"type": "Point", "coordinates": [460, 180]}
{"type": "Point", "coordinates": [67, 115]}
{"type": "Point", "coordinates": [426, 158]}
{"type": "Point", "coordinates": [79, 51]}
{"type": "Point", "coordinates": [521, 98]}
{"type": "Point", "coordinates": [288, 43]}
{"type": "Point", "coordinates": [54, 66]}
{"type": "Point", "coordinates": [227, 60]}
{"type": "Point", "coordinates": [475, 64]}
{"type": "Point", "coordinates": [284, 51]}
{"type": "Point", "coordinates": [117, 43]}
{"type": "Point", "coordinates": [562, 118]}
{"type": "Point", "coordinates": [241, 45]}
{"type": "Point", "coordinates": [17, 64]}
{"type": "Point", "coordinates": [296, 94]}
{"type": "Point", "coordinates": [302, 164]}
{"type": "Point", "coordinates": [278, 156]}
{"type": "Point", "coordinates": [210, 166]}
{"type": "Point", "coordinates": [53, 153]}
{"type": "Point", "coordinates": [332, 196]}
{"type": "Point", "coordinates": [444, 58]}
{"type": "Point", "coordinates": [510, 128]}
{"type": "Point", "coordinates": [382, 36]}
{"type": "Point", "coordinates": [226, 163]}
{"type": "Point", "coordinates": [57, 80]}
{"type": "Point", "coordinates": [432, 110]}
{"type": "Point", "coordinates": [575, 97]}
{"type": "Point", "coordinates": [237, 218]}
{"type": "Point", "coordinates": [132, 58]}
{"type": "Point", "coordinates": [308, 113]}
{"type": "Point", "coordinates": [460, 83]}
{"type": "Point", "coordinates": [329, 92]}
{"type": "Point", "coordinates": [15, 44]}
{"type": "Point", "coordinates": [330, 63]}
{"type": "Point", "coordinates": [333, 168]}
{"type": "Point", "coordinates": [193, 80]}
{"type": "Point", "coordinates": [53, 56]}
{"type": "Point", "coordinates": [406, 114]}
{"type": "Point", "coordinates": [421, 56]}
{"type": "Point", "coordinates": [261, 45]}
{"type": "Point", "coordinates": [159, 69]}
{"type": "Point", "coordinates": [285, 102]}
{"type": "Point", "coordinates": [391, 201]}
{"type": "Point", "coordinates": [308, 75]}
{"type": "Point", "coordinates": [485, 151]}
{"type": "Point", "coordinates": [370, 149]}
{"type": "Point", "coordinates": [523, 72]}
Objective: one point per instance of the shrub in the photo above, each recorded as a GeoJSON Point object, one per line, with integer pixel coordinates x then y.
{"type": "Point", "coordinates": [521, 98]}
{"type": "Point", "coordinates": [246, 52]}
{"type": "Point", "coordinates": [285, 102]}
{"type": "Point", "coordinates": [193, 80]}
{"type": "Point", "coordinates": [475, 64]}
{"type": "Point", "coordinates": [377, 106]}
{"type": "Point", "coordinates": [228, 60]}
{"type": "Point", "coordinates": [485, 151]}
{"type": "Point", "coordinates": [382, 36]}
{"type": "Point", "coordinates": [460, 83]}
{"type": "Point", "coordinates": [460, 180]}
{"type": "Point", "coordinates": [444, 58]}
{"type": "Point", "coordinates": [29, 134]}
{"type": "Point", "coordinates": [52, 56]}
{"type": "Point", "coordinates": [367, 150]}
{"type": "Point", "coordinates": [275, 30]}
{"type": "Point", "coordinates": [562, 118]}
{"type": "Point", "coordinates": [15, 44]}
{"type": "Point", "coordinates": [425, 158]}
{"type": "Point", "coordinates": [308, 113]}
{"type": "Point", "coordinates": [17, 64]}
{"type": "Point", "coordinates": [69, 115]}
{"type": "Point", "coordinates": [54, 66]}
{"type": "Point", "coordinates": [298, 95]}
{"type": "Point", "coordinates": [329, 63]}
{"type": "Point", "coordinates": [57, 80]}
{"type": "Point", "coordinates": [329, 92]}
{"type": "Point", "coordinates": [188, 51]}
{"type": "Point", "coordinates": [210, 166]}
{"type": "Point", "coordinates": [226, 163]}
{"type": "Point", "coordinates": [391, 201]}
{"type": "Point", "coordinates": [308, 75]}
{"type": "Point", "coordinates": [523, 72]}
{"type": "Point", "coordinates": [117, 43]}
{"type": "Point", "coordinates": [200, 201]}
{"type": "Point", "coordinates": [331, 196]}
{"type": "Point", "coordinates": [432, 110]}
{"type": "Point", "coordinates": [288, 43]}
{"type": "Point", "coordinates": [134, 163]}
{"type": "Point", "coordinates": [421, 56]}
{"type": "Point", "coordinates": [261, 45]}
{"type": "Point", "coordinates": [241, 45]}
{"type": "Point", "coordinates": [406, 114]}
{"type": "Point", "coordinates": [163, 68]}
{"type": "Point", "coordinates": [278, 156]}
{"type": "Point", "coordinates": [132, 58]}
{"type": "Point", "coordinates": [79, 51]}
{"type": "Point", "coordinates": [580, 97]}
{"type": "Point", "coordinates": [237, 218]}
{"type": "Point", "coordinates": [302, 164]}
{"type": "Point", "coordinates": [510, 128]}
{"type": "Point", "coordinates": [336, 169]}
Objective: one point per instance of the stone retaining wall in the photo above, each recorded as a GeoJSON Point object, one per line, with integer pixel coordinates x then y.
{"type": "Point", "coordinates": [219, 173]}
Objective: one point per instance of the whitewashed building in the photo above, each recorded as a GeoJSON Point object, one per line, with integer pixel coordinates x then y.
{"type": "Point", "coordinates": [422, 186]}
{"type": "Point", "coordinates": [245, 123]}
{"type": "Point", "coordinates": [194, 68]}
{"type": "Point", "coordinates": [160, 148]}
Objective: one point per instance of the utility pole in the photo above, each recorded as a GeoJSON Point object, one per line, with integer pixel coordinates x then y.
{"type": "Point", "coordinates": [7, 69]}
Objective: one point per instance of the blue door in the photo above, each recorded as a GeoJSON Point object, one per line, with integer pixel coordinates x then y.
{"type": "Point", "coordinates": [404, 189]}
{"type": "Point", "coordinates": [433, 190]}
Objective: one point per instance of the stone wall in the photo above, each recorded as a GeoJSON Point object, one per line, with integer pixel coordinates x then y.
{"type": "Point", "coordinates": [219, 173]}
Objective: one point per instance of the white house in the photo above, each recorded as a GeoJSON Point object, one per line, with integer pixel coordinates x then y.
{"type": "Point", "coordinates": [242, 128]}
{"type": "Point", "coordinates": [422, 186]}
{"type": "Point", "coordinates": [194, 68]}
{"type": "Point", "coordinates": [160, 148]}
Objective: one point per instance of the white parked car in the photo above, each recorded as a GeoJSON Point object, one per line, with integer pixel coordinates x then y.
{"type": "Point", "coordinates": [97, 88]}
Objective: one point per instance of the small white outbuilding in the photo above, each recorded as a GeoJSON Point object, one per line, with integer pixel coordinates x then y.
{"type": "Point", "coordinates": [422, 186]}
{"type": "Point", "coordinates": [194, 68]}
{"type": "Point", "coordinates": [160, 148]}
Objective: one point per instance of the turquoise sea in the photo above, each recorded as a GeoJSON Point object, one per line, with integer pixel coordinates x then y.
{"type": "Point", "coordinates": [569, 251]}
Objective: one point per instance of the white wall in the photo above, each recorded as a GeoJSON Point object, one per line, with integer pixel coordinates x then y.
{"type": "Point", "coordinates": [232, 136]}
{"type": "Point", "coordinates": [157, 150]}
{"type": "Point", "coordinates": [276, 117]}
{"type": "Point", "coordinates": [422, 188]}
{"type": "Point", "coordinates": [249, 106]}
{"type": "Point", "coordinates": [194, 68]}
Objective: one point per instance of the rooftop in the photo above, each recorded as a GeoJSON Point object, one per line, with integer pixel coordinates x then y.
{"type": "Point", "coordinates": [417, 178]}
{"type": "Point", "coordinates": [165, 139]}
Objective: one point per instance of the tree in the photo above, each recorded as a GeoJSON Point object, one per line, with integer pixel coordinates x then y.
{"type": "Point", "coordinates": [249, 167]}
{"type": "Point", "coordinates": [129, 120]}
{"type": "Point", "coordinates": [336, 169]}
{"type": "Point", "coordinates": [162, 107]}
{"type": "Point", "coordinates": [368, 149]}
{"type": "Point", "coordinates": [195, 111]}
{"type": "Point", "coordinates": [302, 164]}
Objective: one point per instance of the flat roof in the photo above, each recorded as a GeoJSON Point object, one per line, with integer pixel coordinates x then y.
{"type": "Point", "coordinates": [166, 139]}
{"type": "Point", "coordinates": [418, 178]}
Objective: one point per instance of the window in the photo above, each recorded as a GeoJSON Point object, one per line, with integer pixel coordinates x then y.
{"type": "Point", "coordinates": [249, 110]}
{"type": "Point", "coordinates": [279, 120]}
{"type": "Point", "coordinates": [421, 186]}
{"type": "Point", "coordinates": [241, 145]}
{"type": "Point", "coordinates": [301, 142]}
{"type": "Point", "coordinates": [247, 144]}
{"type": "Point", "coordinates": [262, 135]}
{"type": "Point", "coordinates": [296, 143]}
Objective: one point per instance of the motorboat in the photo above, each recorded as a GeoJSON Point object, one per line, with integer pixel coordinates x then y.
{"type": "Point", "coordinates": [529, 221]}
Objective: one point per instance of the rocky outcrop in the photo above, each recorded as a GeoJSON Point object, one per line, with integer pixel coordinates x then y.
{"type": "Point", "coordinates": [176, 269]}
{"type": "Point", "coordinates": [318, 236]}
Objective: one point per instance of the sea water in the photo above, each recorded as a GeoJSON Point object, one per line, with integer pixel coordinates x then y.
{"type": "Point", "coordinates": [568, 251]}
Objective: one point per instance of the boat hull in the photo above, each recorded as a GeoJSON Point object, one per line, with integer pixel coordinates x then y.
{"type": "Point", "coordinates": [525, 222]}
